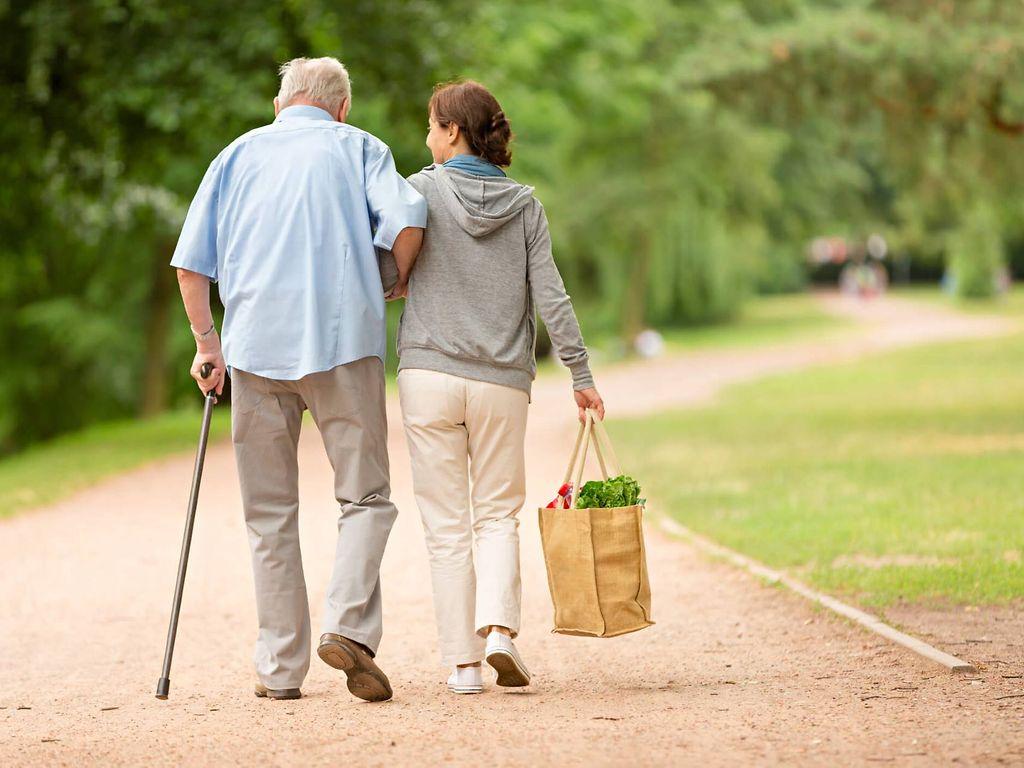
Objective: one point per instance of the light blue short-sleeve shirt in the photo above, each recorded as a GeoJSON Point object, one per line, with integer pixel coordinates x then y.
{"type": "Point", "coordinates": [286, 220]}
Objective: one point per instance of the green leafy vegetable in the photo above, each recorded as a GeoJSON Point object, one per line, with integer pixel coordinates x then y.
{"type": "Point", "coordinates": [621, 491]}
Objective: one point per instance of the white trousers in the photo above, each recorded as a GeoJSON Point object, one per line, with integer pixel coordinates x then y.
{"type": "Point", "coordinates": [468, 467]}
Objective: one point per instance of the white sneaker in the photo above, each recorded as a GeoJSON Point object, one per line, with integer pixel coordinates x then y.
{"type": "Point", "coordinates": [503, 656]}
{"type": "Point", "coordinates": [466, 680]}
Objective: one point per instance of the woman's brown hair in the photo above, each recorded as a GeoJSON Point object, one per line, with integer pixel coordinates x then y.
{"type": "Point", "coordinates": [479, 116]}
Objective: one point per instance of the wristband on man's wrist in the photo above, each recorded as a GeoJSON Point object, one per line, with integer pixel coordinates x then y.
{"type": "Point", "coordinates": [205, 334]}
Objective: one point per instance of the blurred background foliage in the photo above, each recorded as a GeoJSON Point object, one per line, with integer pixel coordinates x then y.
{"type": "Point", "coordinates": [687, 153]}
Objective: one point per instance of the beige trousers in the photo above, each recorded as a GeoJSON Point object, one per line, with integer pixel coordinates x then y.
{"type": "Point", "coordinates": [347, 404]}
{"type": "Point", "coordinates": [466, 445]}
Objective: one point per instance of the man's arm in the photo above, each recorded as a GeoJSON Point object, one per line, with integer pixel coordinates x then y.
{"type": "Point", "coordinates": [195, 295]}
{"type": "Point", "coordinates": [399, 213]}
{"type": "Point", "coordinates": [195, 258]}
{"type": "Point", "coordinates": [405, 250]}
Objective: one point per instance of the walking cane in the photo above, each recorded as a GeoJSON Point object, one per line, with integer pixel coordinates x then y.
{"type": "Point", "coordinates": [163, 685]}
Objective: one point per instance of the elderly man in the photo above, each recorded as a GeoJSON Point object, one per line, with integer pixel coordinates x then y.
{"type": "Point", "coordinates": [286, 220]}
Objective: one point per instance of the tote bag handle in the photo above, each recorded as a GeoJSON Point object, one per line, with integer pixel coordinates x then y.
{"type": "Point", "coordinates": [590, 430]}
{"type": "Point", "coordinates": [605, 452]}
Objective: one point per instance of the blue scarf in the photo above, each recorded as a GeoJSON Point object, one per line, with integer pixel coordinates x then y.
{"type": "Point", "coordinates": [473, 164]}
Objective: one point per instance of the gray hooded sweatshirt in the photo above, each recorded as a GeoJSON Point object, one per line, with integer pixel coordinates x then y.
{"type": "Point", "coordinates": [484, 272]}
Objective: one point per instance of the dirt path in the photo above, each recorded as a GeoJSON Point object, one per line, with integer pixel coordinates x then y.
{"type": "Point", "coordinates": [735, 672]}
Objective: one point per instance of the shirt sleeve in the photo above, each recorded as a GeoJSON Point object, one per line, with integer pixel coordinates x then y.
{"type": "Point", "coordinates": [196, 250]}
{"type": "Point", "coordinates": [391, 200]}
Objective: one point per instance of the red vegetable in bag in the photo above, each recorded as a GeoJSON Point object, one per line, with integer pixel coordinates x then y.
{"type": "Point", "coordinates": [564, 498]}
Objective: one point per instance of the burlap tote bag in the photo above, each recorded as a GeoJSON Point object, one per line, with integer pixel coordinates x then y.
{"type": "Point", "coordinates": [596, 564]}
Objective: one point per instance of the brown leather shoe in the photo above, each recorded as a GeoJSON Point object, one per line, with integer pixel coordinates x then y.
{"type": "Point", "coordinates": [365, 678]}
{"type": "Point", "coordinates": [270, 693]}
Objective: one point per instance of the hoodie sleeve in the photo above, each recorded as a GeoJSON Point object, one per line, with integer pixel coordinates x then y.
{"type": "Point", "coordinates": [552, 302]}
{"type": "Point", "coordinates": [388, 269]}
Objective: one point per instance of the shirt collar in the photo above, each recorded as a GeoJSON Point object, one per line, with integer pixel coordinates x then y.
{"type": "Point", "coordinates": [304, 111]}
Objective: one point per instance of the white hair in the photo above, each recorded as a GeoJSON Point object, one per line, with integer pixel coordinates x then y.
{"type": "Point", "coordinates": [323, 81]}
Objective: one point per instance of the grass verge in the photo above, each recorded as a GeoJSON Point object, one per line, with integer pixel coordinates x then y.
{"type": "Point", "coordinates": [894, 478]}
{"type": "Point", "coordinates": [763, 320]}
{"type": "Point", "coordinates": [50, 471]}
{"type": "Point", "coordinates": [1010, 304]}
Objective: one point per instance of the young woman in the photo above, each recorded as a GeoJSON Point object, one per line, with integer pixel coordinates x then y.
{"type": "Point", "coordinates": [466, 348]}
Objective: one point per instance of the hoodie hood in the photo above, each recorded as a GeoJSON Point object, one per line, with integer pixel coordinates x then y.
{"type": "Point", "coordinates": [480, 204]}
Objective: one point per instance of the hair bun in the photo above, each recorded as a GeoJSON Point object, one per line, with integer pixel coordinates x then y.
{"type": "Point", "coordinates": [479, 116]}
{"type": "Point", "coordinates": [499, 121]}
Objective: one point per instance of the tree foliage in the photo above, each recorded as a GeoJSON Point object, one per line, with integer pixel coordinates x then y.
{"type": "Point", "coordinates": [686, 152]}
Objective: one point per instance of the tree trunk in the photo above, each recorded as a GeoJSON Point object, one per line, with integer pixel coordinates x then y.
{"type": "Point", "coordinates": [153, 397]}
{"type": "Point", "coordinates": [634, 298]}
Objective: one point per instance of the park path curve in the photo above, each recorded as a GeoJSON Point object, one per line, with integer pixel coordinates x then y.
{"type": "Point", "coordinates": [734, 672]}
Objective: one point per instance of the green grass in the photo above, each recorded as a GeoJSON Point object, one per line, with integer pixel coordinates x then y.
{"type": "Point", "coordinates": [763, 320]}
{"type": "Point", "coordinates": [1010, 304]}
{"type": "Point", "coordinates": [50, 471]}
{"type": "Point", "coordinates": [894, 478]}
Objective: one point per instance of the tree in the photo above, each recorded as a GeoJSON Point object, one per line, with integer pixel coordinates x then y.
{"type": "Point", "coordinates": [112, 112]}
{"type": "Point", "coordinates": [686, 152]}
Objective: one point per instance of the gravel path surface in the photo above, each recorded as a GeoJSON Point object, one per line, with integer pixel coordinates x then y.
{"type": "Point", "coordinates": [734, 672]}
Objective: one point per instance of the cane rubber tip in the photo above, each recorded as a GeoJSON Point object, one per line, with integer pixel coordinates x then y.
{"type": "Point", "coordinates": [163, 687]}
